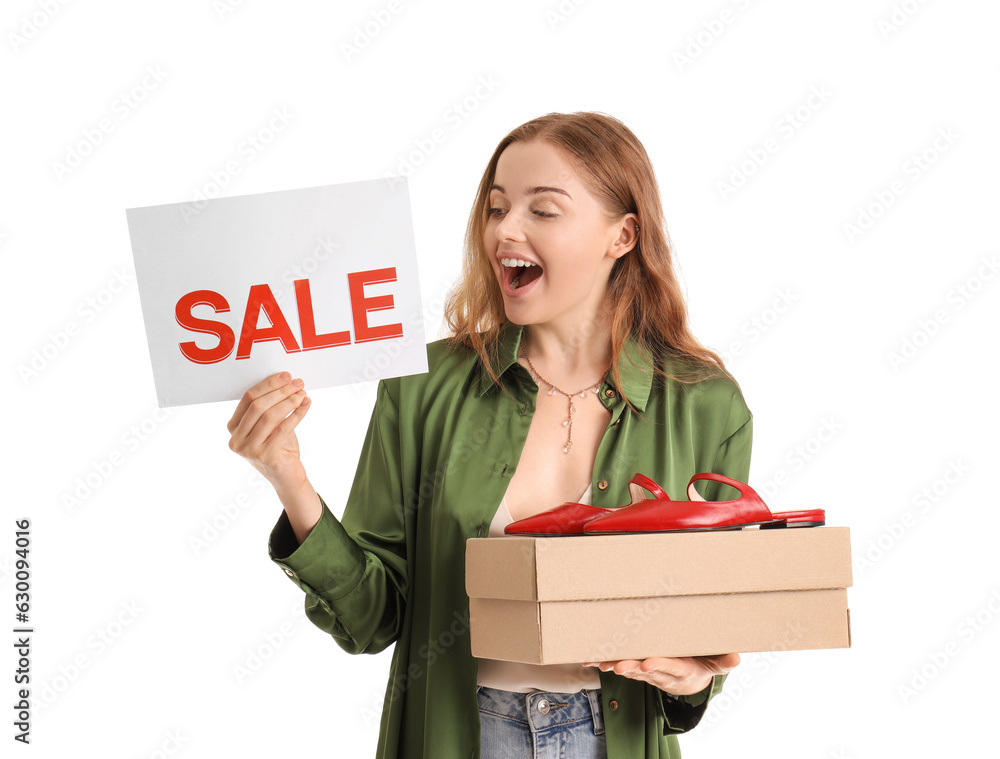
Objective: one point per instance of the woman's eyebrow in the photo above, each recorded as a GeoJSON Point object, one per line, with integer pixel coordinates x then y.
{"type": "Point", "coordinates": [536, 190]}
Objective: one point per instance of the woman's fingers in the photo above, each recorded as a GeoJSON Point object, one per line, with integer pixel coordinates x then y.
{"type": "Point", "coordinates": [686, 666]}
{"type": "Point", "coordinates": [271, 422]}
{"type": "Point", "coordinates": [263, 426]}
{"type": "Point", "coordinates": [683, 675]}
{"type": "Point", "coordinates": [678, 667]}
{"type": "Point", "coordinates": [721, 663]}
{"type": "Point", "coordinates": [290, 422]}
{"type": "Point", "coordinates": [260, 400]}
{"type": "Point", "coordinates": [258, 391]}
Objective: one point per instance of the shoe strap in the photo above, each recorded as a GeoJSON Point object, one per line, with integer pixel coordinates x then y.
{"type": "Point", "coordinates": [640, 482]}
{"type": "Point", "coordinates": [747, 493]}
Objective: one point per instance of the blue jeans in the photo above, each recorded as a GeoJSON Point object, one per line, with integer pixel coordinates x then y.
{"type": "Point", "coordinates": [540, 725]}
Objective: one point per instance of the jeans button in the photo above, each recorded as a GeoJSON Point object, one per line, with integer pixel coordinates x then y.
{"type": "Point", "coordinates": [543, 706]}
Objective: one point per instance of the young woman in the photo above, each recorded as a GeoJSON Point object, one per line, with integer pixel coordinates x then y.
{"type": "Point", "coordinates": [568, 289]}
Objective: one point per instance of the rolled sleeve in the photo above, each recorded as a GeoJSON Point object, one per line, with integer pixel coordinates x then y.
{"type": "Point", "coordinates": [354, 569]}
{"type": "Point", "coordinates": [328, 563]}
{"type": "Point", "coordinates": [683, 713]}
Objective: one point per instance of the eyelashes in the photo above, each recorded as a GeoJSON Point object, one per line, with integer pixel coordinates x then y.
{"type": "Point", "coordinates": [497, 212]}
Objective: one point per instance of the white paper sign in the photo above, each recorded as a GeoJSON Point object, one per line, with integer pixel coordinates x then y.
{"type": "Point", "coordinates": [321, 282]}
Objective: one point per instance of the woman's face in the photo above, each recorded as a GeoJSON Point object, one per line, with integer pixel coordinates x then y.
{"type": "Point", "coordinates": [541, 214]}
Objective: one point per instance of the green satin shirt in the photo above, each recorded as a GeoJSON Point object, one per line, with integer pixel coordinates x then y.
{"type": "Point", "coordinates": [438, 455]}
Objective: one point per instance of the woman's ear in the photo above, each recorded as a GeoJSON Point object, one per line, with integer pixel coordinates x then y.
{"type": "Point", "coordinates": [628, 235]}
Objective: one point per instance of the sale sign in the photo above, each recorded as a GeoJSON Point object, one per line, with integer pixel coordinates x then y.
{"type": "Point", "coordinates": [321, 282]}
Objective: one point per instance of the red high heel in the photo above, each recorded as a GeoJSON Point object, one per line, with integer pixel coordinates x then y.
{"type": "Point", "coordinates": [570, 518]}
{"type": "Point", "coordinates": [697, 514]}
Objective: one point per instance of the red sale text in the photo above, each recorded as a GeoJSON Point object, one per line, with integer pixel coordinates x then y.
{"type": "Point", "coordinates": [261, 300]}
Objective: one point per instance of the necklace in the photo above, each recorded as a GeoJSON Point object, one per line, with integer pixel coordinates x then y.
{"type": "Point", "coordinates": [568, 423]}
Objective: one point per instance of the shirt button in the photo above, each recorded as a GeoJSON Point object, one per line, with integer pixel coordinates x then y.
{"type": "Point", "coordinates": [602, 485]}
{"type": "Point", "coordinates": [543, 706]}
{"type": "Point", "coordinates": [617, 422]}
{"type": "Point", "coordinates": [613, 705]}
{"type": "Point", "coordinates": [289, 572]}
{"type": "Point", "coordinates": [609, 393]}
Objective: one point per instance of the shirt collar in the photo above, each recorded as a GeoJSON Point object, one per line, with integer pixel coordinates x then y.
{"type": "Point", "coordinates": [637, 379]}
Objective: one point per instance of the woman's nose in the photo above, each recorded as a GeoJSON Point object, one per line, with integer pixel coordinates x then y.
{"type": "Point", "coordinates": [509, 227]}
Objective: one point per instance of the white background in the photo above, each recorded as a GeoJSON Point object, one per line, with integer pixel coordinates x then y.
{"type": "Point", "coordinates": [140, 630]}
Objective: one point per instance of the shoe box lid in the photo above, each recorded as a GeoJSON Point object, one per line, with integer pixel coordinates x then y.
{"type": "Point", "coordinates": [588, 567]}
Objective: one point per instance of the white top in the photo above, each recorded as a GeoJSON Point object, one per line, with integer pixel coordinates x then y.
{"type": "Point", "coordinates": [523, 678]}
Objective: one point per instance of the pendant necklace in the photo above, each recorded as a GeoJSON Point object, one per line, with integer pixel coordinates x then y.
{"type": "Point", "coordinates": [568, 423]}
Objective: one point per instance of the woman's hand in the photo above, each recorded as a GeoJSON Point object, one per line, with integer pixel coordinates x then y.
{"type": "Point", "coordinates": [682, 676]}
{"type": "Point", "coordinates": [263, 430]}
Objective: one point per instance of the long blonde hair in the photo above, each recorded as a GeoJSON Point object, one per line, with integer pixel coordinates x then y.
{"type": "Point", "coordinates": [647, 302]}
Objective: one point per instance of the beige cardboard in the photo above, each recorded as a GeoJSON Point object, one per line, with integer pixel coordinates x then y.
{"type": "Point", "coordinates": [604, 597]}
{"type": "Point", "coordinates": [560, 632]}
{"type": "Point", "coordinates": [655, 564]}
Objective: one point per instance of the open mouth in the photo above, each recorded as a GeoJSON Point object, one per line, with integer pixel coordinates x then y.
{"type": "Point", "coordinates": [519, 273]}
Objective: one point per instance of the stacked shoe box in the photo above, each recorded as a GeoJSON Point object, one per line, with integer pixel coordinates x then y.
{"type": "Point", "coordinates": [566, 599]}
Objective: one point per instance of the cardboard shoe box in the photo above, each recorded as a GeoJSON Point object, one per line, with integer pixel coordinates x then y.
{"type": "Point", "coordinates": [572, 599]}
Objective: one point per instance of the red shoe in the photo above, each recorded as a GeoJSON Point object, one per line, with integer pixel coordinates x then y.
{"type": "Point", "coordinates": [802, 518]}
{"type": "Point", "coordinates": [697, 514]}
{"type": "Point", "coordinates": [570, 518]}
